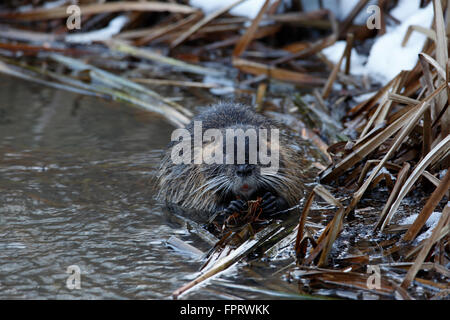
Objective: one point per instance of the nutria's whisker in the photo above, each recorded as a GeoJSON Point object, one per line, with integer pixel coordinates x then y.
{"type": "Point", "coordinates": [211, 184]}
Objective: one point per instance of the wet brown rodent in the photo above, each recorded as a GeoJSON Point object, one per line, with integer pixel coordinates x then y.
{"type": "Point", "coordinates": [209, 188]}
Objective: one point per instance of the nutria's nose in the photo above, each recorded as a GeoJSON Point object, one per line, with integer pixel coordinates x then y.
{"type": "Point", "coordinates": [244, 170]}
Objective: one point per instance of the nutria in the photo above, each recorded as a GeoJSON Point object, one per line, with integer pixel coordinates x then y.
{"type": "Point", "coordinates": [210, 188]}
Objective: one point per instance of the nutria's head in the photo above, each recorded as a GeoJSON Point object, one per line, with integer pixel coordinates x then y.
{"type": "Point", "coordinates": [223, 176]}
{"type": "Point", "coordinates": [239, 174]}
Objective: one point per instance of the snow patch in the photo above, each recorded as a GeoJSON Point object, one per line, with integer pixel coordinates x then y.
{"type": "Point", "coordinates": [227, 85]}
{"type": "Point", "coordinates": [113, 28]}
{"type": "Point", "coordinates": [340, 8]}
{"type": "Point", "coordinates": [431, 224]}
{"type": "Point", "coordinates": [249, 8]}
{"type": "Point", "coordinates": [409, 220]}
{"type": "Point", "coordinates": [433, 219]}
{"type": "Point", "coordinates": [363, 97]}
{"type": "Point", "coordinates": [357, 61]}
{"type": "Point", "coordinates": [387, 57]}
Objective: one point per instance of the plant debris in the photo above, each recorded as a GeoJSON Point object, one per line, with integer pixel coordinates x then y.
{"type": "Point", "coordinates": [384, 156]}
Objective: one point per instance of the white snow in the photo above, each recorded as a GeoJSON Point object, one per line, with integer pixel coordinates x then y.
{"type": "Point", "coordinates": [387, 57]}
{"type": "Point", "coordinates": [383, 170]}
{"type": "Point", "coordinates": [363, 97]}
{"type": "Point", "coordinates": [405, 9]}
{"type": "Point", "coordinates": [431, 224]}
{"type": "Point", "coordinates": [248, 8]}
{"type": "Point", "coordinates": [334, 53]}
{"type": "Point", "coordinates": [409, 219]}
{"type": "Point", "coordinates": [340, 8]}
{"type": "Point", "coordinates": [54, 4]}
{"type": "Point", "coordinates": [113, 28]}
{"type": "Point", "coordinates": [227, 85]}
{"type": "Point", "coordinates": [433, 219]}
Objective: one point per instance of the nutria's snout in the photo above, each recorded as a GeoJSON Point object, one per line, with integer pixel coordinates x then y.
{"type": "Point", "coordinates": [245, 181]}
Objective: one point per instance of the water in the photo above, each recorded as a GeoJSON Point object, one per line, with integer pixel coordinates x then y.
{"type": "Point", "coordinates": [76, 188]}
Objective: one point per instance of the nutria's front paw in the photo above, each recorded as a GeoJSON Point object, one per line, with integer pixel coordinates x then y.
{"type": "Point", "coordinates": [269, 203]}
{"type": "Point", "coordinates": [236, 206]}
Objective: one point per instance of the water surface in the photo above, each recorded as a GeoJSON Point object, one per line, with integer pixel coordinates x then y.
{"type": "Point", "coordinates": [76, 188]}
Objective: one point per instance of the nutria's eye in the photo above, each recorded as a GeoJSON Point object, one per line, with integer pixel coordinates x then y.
{"type": "Point", "coordinates": [244, 170]}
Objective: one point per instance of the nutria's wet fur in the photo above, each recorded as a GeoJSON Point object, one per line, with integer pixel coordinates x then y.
{"type": "Point", "coordinates": [209, 188]}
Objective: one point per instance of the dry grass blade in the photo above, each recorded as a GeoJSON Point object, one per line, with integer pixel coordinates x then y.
{"type": "Point", "coordinates": [335, 228]}
{"type": "Point", "coordinates": [437, 233]}
{"type": "Point", "coordinates": [224, 263]}
{"type": "Point", "coordinates": [327, 196]}
{"type": "Point", "coordinates": [260, 94]}
{"type": "Point", "coordinates": [441, 37]}
{"type": "Point", "coordinates": [184, 247]}
{"type": "Point", "coordinates": [316, 46]}
{"type": "Point", "coordinates": [401, 177]}
{"type": "Point", "coordinates": [402, 99]}
{"type": "Point", "coordinates": [183, 37]}
{"type": "Point", "coordinates": [369, 103]}
{"type": "Point", "coordinates": [329, 234]}
{"type": "Point", "coordinates": [427, 133]}
{"type": "Point", "coordinates": [396, 88]}
{"type": "Point", "coordinates": [383, 107]}
{"type": "Point", "coordinates": [247, 37]}
{"type": "Point", "coordinates": [367, 147]}
{"type": "Point", "coordinates": [148, 37]}
{"type": "Point", "coordinates": [126, 90]}
{"type": "Point", "coordinates": [431, 204]}
{"type": "Point", "coordinates": [311, 50]}
{"type": "Point", "coordinates": [435, 64]}
{"type": "Point", "coordinates": [436, 153]}
{"type": "Point", "coordinates": [302, 221]}
{"type": "Point", "coordinates": [33, 50]}
{"type": "Point", "coordinates": [431, 178]}
{"type": "Point", "coordinates": [313, 19]}
{"type": "Point", "coordinates": [61, 12]}
{"type": "Point", "coordinates": [369, 164]}
{"type": "Point", "coordinates": [147, 54]}
{"type": "Point", "coordinates": [28, 36]}
{"type": "Point", "coordinates": [277, 73]}
{"type": "Point", "coordinates": [177, 83]}
{"type": "Point", "coordinates": [333, 75]}
{"type": "Point", "coordinates": [442, 58]}
{"type": "Point", "coordinates": [20, 73]}
{"type": "Point", "coordinates": [407, 128]}
{"type": "Point", "coordinates": [352, 15]}
{"type": "Point", "coordinates": [352, 279]}
{"type": "Point", "coordinates": [428, 32]}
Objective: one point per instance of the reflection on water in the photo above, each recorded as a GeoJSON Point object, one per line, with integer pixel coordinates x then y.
{"type": "Point", "coordinates": [76, 189]}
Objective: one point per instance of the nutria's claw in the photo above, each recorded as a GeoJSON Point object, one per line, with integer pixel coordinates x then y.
{"type": "Point", "coordinates": [269, 203]}
{"type": "Point", "coordinates": [236, 206]}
